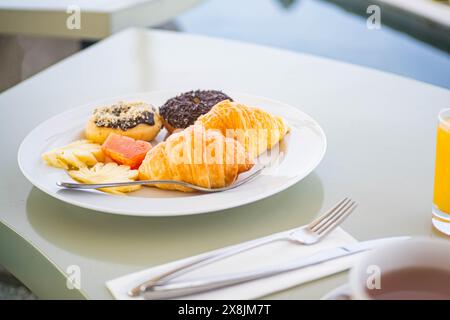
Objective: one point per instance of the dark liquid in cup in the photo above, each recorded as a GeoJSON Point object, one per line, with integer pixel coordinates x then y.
{"type": "Point", "coordinates": [413, 284]}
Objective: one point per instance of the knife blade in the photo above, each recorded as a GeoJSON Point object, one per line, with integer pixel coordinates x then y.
{"type": "Point", "coordinates": [182, 288]}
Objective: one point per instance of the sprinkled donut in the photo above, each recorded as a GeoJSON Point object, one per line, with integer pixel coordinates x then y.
{"type": "Point", "coordinates": [137, 120]}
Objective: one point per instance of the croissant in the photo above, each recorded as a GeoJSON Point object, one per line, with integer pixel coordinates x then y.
{"type": "Point", "coordinates": [195, 155]}
{"type": "Point", "coordinates": [254, 128]}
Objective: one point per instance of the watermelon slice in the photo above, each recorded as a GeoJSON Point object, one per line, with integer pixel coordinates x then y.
{"type": "Point", "coordinates": [125, 150]}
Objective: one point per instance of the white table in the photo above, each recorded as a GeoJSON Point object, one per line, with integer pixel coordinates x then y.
{"type": "Point", "coordinates": [99, 18]}
{"type": "Point", "coordinates": [381, 135]}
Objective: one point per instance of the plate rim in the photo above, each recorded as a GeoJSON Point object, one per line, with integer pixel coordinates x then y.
{"type": "Point", "coordinates": [171, 213]}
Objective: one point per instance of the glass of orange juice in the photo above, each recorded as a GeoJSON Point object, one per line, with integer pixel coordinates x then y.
{"type": "Point", "coordinates": [441, 201]}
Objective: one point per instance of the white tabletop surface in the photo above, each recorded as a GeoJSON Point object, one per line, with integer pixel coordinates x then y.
{"type": "Point", "coordinates": [98, 18]}
{"type": "Point", "coordinates": [381, 137]}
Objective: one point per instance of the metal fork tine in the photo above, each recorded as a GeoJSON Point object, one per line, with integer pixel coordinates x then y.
{"type": "Point", "coordinates": [316, 223]}
{"type": "Point", "coordinates": [337, 220]}
{"type": "Point", "coordinates": [330, 227]}
{"type": "Point", "coordinates": [330, 212]}
{"type": "Point", "coordinates": [341, 212]}
{"type": "Point", "coordinates": [336, 213]}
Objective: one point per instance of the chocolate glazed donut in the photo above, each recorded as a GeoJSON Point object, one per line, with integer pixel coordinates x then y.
{"type": "Point", "coordinates": [181, 111]}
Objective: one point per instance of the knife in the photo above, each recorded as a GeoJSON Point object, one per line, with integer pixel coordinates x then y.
{"type": "Point", "coordinates": [182, 288]}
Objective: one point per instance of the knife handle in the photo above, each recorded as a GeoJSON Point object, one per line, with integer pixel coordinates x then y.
{"type": "Point", "coordinates": [179, 289]}
{"type": "Point", "coordinates": [204, 260]}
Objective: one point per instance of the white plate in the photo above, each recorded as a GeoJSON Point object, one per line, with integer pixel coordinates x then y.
{"type": "Point", "coordinates": [304, 148]}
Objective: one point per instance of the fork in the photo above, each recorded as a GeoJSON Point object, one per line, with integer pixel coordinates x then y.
{"type": "Point", "coordinates": [72, 185]}
{"type": "Point", "coordinates": [304, 235]}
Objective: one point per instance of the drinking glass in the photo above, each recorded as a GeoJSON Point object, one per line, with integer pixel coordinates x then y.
{"type": "Point", "coordinates": [441, 200]}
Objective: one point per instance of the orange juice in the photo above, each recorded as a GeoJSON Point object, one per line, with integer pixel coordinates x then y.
{"type": "Point", "coordinates": [442, 176]}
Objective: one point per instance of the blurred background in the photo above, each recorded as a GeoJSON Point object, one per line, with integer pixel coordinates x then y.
{"type": "Point", "coordinates": [413, 38]}
{"type": "Point", "coordinates": [335, 29]}
{"type": "Point", "coordinates": [410, 38]}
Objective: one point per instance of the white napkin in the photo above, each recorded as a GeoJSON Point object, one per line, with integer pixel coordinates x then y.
{"type": "Point", "coordinates": [271, 254]}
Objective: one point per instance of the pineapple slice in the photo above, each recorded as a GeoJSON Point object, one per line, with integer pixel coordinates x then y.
{"type": "Point", "coordinates": [76, 155]}
{"type": "Point", "coordinates": [109, 172]}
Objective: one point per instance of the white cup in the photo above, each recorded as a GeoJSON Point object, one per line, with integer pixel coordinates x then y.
{"type": "Point", "coordinates": [403, 255]}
